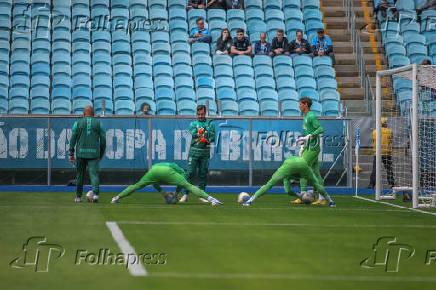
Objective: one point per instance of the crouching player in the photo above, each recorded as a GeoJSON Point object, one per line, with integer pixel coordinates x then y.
{"type": "Point", "coordinates": [293, 168]}
{"type": "Point", "coordinates": [168, 173]}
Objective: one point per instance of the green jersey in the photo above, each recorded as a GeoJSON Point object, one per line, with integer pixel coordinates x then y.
{"type": "Point", "coordinates": [209, 133]}
{"type": "Point", "coordinates": [174, 166]}
{"type": "Point", "coordinates": [312, 126]}
{"type": "Point", "coordinates": [90, 138]}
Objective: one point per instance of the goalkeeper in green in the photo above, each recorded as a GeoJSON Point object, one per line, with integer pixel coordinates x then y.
{"type": "Point", "coordinates": [293, 168]}
{"type": "Point", "coordinates": [310, 151]}
{"type": "Point", "coordinates": [168, 173]}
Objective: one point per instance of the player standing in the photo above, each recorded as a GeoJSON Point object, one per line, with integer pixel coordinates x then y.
{"type": "Point", "coordinates": [293, 167]}
{"type": "Point", "coordinates": [203, 134]}
{"type": "Point", "coordinates": [90, 137]}
{"type": "Point", "coordinates": [169, 173]}
{"type": "Point", "coordinates": [311, 130]}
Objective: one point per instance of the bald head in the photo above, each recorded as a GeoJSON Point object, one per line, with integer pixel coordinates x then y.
{"type": "Point", "coordinates": [88, 111]}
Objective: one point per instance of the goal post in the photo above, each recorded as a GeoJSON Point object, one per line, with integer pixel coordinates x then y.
{"type": "Point", "coordinates": [405, 106]}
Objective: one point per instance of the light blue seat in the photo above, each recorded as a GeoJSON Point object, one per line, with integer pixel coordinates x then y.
{"type": "Point", "coordinates": [253, 4]}
{"type": "Point", "coordinates": [164, 82]}
{"type": "Point", "coordinates": [314, 4]}
{"type": "Point", "coordinates": [160, 36]}
{"type": "Point", "coordinates": [141, 47]}
{"type": "Point", "coordinates": [302, 60]}
{"type": "Point", "coordinates": [82, 93]}
{"type": "Point", "coordinates": [179, 37]}
{"type": "Point", "coordinates": [176, 4]}
{"type": "Point", "coordinates": [216, 15]}
{"type": "Point", "coordinates": [181, 48]}
{"type": "Point", "coordinates": [243, 71]}
{"type": "Point", "coordinates": [224, 82]}
{"type": "Point", "coordinates": [282, 60]}
{"type": "Point", "coordinates": [325, 72]}
{"type": "Point", "coordinates": [200, 48]}
{"type": "Point", "coordinates": [290, 108]}
{"type": "Point", "coordinates": [144, 94]}
{"type": "Point", "coordinates": [182, 70]}
{"type": "Point", "coordinates": [272, 5]}
{"type": "Point", "coordinates": [293, 25]}
{"type": "Point", "coordinates": [327, 84]}
{"type": "Point", "coordinates": [178, 26]}
{"type": "Point", "coordinates": [312, 14]}
{"type": "Point", "coordinates": [284, 71]}
{"type": "Point", "coordinates": [398, 61]}
{"type": "Point", "coordinates": [225, 94]}
{"type": "Point", "coordinates": [234, 25]}
{"type": "Point", "coordinates": [202, 59]}
{"type": "Point", "coordinates": [267, 94]}
{"type": "Point", "coordinates": [98, 107]}
{"type": "Point", "coordinates": [158, 14]}
{"type": "Point", "coordinates": [269, 108]}
{"type": "Point", "coordinates": [61, 107]}
{"type": "Point", "coordinates": [19, 93]}
{"type": "Point", "coordinates": [245, 82]}
{"type": "Point", "coordinates": [194, 14]}
{"type": "Point", "coordinates": [18, 106]}
{"type": "Point", "coordinates": [265, 82]}
{"type": "Point", "coordinates": [203, 70]}
{"type": "Point", "coordinates": [285, 82]}
{"type": "Point", "coordinates": [328, 94]}
{"type": "Point", "coordinates": [303, 71]}
{"type": "Point", "coordinates": [293, 14]}
{"type": "Point", "coordinates": [274, 14]}
{"type": "Point", "coordinates": [394, 49]}
{"type": "Point", "coordinates": [330, 108]}
{"type": "Point", "coordinates": [102, 81]}
{"type": "Point", "coordinates": [185, 94]}
{"type": "Point", "coordinates": [41, 69]}
{"type": "Point", "coordinates": [161, 59]}
{"type": "Point", "coordinates": [320, 61]}
{"type": "Point", "coordinates": [254, 14]}
{"type": "Point", "coordinates": [249, 108]}
{"type": "Point", "coordinates": [223, 71]}
{"type": "Point", "coordinates": [412, 26]}
{"type": "Point", "coordinates": [242, 60]}
{"type": "Point", "coordinates": [405, 4]}
{"type": "Point", "coordinates": [414, 39]}
{"type": "Point", "coordinates": [205, 93]}
{"type": "Point", "coordinates": [142, 58]}
{"type": "Point", "coordinates": [124, 107]}
{"type": "Point", "coordinates": [166, 107]}
{"type": "Point", "coordinates": [306, 82]}
{"type": "Point", "coordinates": [401, 84]}
{"type": "Point", "coordinates": [416, 49]}
{"type": "Point", "coordinates": [140, 36]}
{"type": "Point", "coordinates": [404, 96]}
{"type": "Point", "coordinates": [246, 94]}
{"type": "Point", "coordinates": [177, 13]}
{"type": "Point", "coordinates": [213, 109]}
{"type": "Point", "coordinates": [40, 93]}
{"type": "Point", "coordinates": [288, 94]}
{"type": "Point", "coordinates": [262, 60]}
{"type": "Point", "coordinates": [157, 4]}
{"type": "Point", "coordinates": [3, 106]}
{"type": "Point", "coordinates": [263, 71]}
{"type": "Point", "coordinates": [142, 69]}
{"type": "Point", "coordinates": [229, 108]}
{"type": "Point", "coordinates": [316, 108]}
{"type": "Point", "coordinates": [272, 26]}
{"type": "Point", "coordinates": [40, 106]}
{"type": "Point", "coordinates": [183, 82]}
{"type": "Point", "coordinates": [235, 14]}
{"type": "Point", "coordinates": [123, 94]}
{"type": "Point", "coordinates": [161, 48]}
{"type": "Point", "coordinates": [313, 26]}
{"type": "Point", "coordinates": [79, 105]}
{"type": "Point", "coordinates": [164, 93]}
{"type": "Point", "coordinates": [102, 93]}
{"type": "Point", "coordinates": [186, 107]}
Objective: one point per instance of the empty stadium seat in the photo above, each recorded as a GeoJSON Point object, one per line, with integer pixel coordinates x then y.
{"type": "Point", "coordinates": [186, 107]}
{"type": "Point", "coordinates": [229, 108]}
{"type": "Point", "coordinates": [290, 108]}
{"type": "Point", "coordinates": [166, 107]}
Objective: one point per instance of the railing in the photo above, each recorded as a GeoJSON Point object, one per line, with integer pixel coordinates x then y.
{"type": "Point", "coordinates": [365, 80]}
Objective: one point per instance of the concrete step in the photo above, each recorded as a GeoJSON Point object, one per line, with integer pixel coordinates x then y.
{"type": "Point", "coordinates": [343, 34]}
{"type": "Point", "coordinates": [352, 94]}
{"type": "Point", "coordinates": [339, 11]}
{"type": "Point", "coordinates": [348, 82]}
{"type": "Point", "coordinates": [347, 47]}
{"type": "Point", "coordinates": [340, 23]}
{"type": "Point", "coordinates": [346, 70]}
{"type": "Point", "coordinates": [339, 3]}
{"type": "Point", "coordinates": [350, 59]}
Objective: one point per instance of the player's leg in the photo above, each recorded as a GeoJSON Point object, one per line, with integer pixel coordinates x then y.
{"type": "Point", "coordinates": [147, 179]}
{"type": "Point", "coordinates": [316, 171]}
{"type": "Point", "coordinates": [313, 180]}
{"type": "Point", "coordinates": [80, 173]}
{"type": "Point", "coordinates": [193, 163]}
{"type": "Point", "coordinates": [93, 167]}
{"type": "Point", "coordinates": [202, 173]}
{"type": "Point", "coordinates": [387, 162]}
{"type": "Point", "coordinates": [275, 178]}
{"type": "Point", "coordinates": [372, 177]}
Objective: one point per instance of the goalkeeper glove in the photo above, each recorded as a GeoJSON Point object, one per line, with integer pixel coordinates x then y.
{"type": "Point", "coordinates": [301, 151]}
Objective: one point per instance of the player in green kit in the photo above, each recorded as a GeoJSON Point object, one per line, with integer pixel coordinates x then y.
{"type": "Point", "coordinates": [294, 167]}
{"type": "Point", "coordinates": [203, 134]}
{"type": "Point", "coordinates": [311, 140]}
{"type": "Point", "coordinates": [88, 139]}
{"type": "Point", "coordinates": [168, 173]}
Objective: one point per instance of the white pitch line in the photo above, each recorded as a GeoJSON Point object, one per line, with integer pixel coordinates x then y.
{"type": "Point", "coordinates": [135, 269]}
{"type": "Point", "coordinates": [395, 205]}
{"type": "Point", "coordinates": [291, 277]}
{"type": "Point", "coordinates": [320, 225]}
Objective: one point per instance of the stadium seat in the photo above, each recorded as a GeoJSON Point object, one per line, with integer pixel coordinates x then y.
{"type": "Point", "coordinates": [263, 71]}
{"type": "Point", "coordinates": [242, 60]}
{"type": "Point", "coordinates": [306, 82]}
{"type": "Point", "coordinates": [223, 71]}
{"type": "Point", "coordinates": [225, 94]}
{"type": "Point", "coordinates": [266, 94]}
{"type": "Point", "coordinates": [327, 83]}
{"type": "Point", "coordinates": [235, 14]}
{"type": "Point", "coordinates": [123, 94]}
{"type": "Point", "coordinates": [164, 93]}
{"type": "Point", "coordinates": [265, 82]}
{"type": "Point", "coordinates": [330, 108]}
{"type": "Point", "coordinates": [144, 94]}
{"type": "Point", "coordinates": [177, 13]}
{"type": "Point", "coordinates": [290, 108]}
{"type": "Point", "coordinates": [203, 70]}
{"type": "Point", "coordinates": [303, 71]}
{"type": "Point", "coordinates": [40, 106]}
{"type": "Point", "coordinates": [18, 106]}
{"type": "Point", "coordinates": [194, 14]}
{"type": "Point", "coordinates": [245, 82]}
{"type": "Point", "coordinates": [186, 107]}
{"type": "Point", "coordinates": [183, 82]}
{"type": "Point", "coordinates": [288, 94]}
{"type": "Point", "coordinates": [397, 61]}
{"type": "Point", "coordinates": [108, 104]}
{"type": "Point", "coordinates": [158, 14]}
{"type": "Point", "coordinates": [325, 72]}
{"type": "Point", "coordinates": [285, 82]}
{"type": "Point", "coordinates": [316, 108]}
{"type": "Point", "coordinates": [246, 94]}
{"type": "Point", "coordinates": [79, 105]}
{"type": "Point", "coordinates": [302, 60]}
{"type": "Point", "coordinates": [205, 94]}
{"type": "Point", "coordinates": [82, 93]}
{"type": "Point", "coordinates": [200, 48]}
{"type": "Point", "coordinates": [182, 70]}
{"type": "Point", "coordinates": [202, 59]}
{"type": "Point", "coordinates": [224, 82]}
{"type": "Point", "coordinates": [229, 108]}
{"type": "Point", "coordinates": [328, 94]}
{"type": "Point", "coordinates": [185, 94]}
{"type": "Point", "coordinates": [166, 107]}
{"type": "Point", "coordinates": [124, 107]}
{"type": "Point", "coordinates": [162, 70]}
{"type": "Point", "coordinates": [243, 71]}
{"type": "Point", "coordinates": [269, 108]}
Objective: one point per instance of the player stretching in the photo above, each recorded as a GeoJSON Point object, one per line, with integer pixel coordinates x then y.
{"type": "Point", "coordinates": [169, 173]}
{"type": "Point", "coordinates": [311, 130]}
{"type": "Point", "coordinates": [293, 168]}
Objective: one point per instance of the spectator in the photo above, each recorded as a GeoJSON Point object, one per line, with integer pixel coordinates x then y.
{"type": "Point", "coordinates": [224, 42]}
{"type": "Point", "coordinates": [200, 33]}
{"type": "Point", "coordinates": [195, 4]}
{"type": "Point", "coordinates": [299, 45]}
{"type": "Point", "coordinates": [235, 4]}
{"type": "Point", "coordinates": [429, 5]}
{"type": "Point", "coordinates": [261, 46]}
{"type": "Point", "coordinates": [322, 45]}
{"type": "Point", "coordinates": [216, 4]}
{"type": "Point", "coordinates": [426, 62]}
{"type": "Point", "coordinates": [384, 6]}
{"type": "Point", "coordinates": [280, 44]}
{"type": "Point", "coordinates": [241, 44]}
{"type": "Point", "coordinates": [145, 109]}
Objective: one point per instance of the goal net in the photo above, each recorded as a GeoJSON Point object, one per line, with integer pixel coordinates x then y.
{"type": "Point", "coordinates": [406, 134]}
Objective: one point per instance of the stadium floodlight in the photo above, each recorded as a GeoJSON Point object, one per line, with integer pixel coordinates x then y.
{"type": "Point", "coordinates": [406, 96]}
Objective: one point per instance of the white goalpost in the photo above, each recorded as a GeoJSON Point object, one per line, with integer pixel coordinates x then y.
{"type": "Point", "coordinates": [406, 123]}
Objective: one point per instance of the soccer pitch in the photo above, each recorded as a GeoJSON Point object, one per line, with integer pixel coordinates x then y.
{"type": "Point", "coordinates": [270, 245]}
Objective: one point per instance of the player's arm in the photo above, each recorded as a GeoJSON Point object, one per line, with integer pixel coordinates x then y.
{"type": "Point", "coordinates": [317, 126]}
{"type": "Point", "coordinates": [73, 141]}
{"type": "Point", "coordinates": [102, 141]}
{"type": "Point", "coordinates": [193, 129]}
{"type": "Point", "coordinates": [211, 132]}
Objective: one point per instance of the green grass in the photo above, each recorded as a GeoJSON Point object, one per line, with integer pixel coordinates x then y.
{"type": "Point", "coordinates": [268, 246]}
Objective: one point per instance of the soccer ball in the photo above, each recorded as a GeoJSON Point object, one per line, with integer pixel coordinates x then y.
{"type": "Point", "coordinates": [308, 197]}
{"type": "Point", "coordinates": [90, 196]}
{"type": "Point", "coordinates": [170, 197]}
{"type": "Point", "coordinates": [243, 197]}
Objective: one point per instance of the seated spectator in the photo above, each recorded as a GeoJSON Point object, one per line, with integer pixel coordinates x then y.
{"type": "Point", "coordinates": [261, 46]}
{"type": "Point", "coordinates": [216, 4]}
{"type": "Point", "coordinates": [280, 44]}
{"type": "Point", "coordinates": [322, 45]}
{"type": "Point", "coordinates": [195, 4]}
{"type": "Point", "coordinates": [145, 109]}
{"type": "Point", "coordinates": [384, 6]}
{"type": "Point", "coordinates": [235, 4]}
{"type": "Point", "coordinates": [299, 45]}
{"type": "Point", "coordinates": [200, 33]}
{"type": "Point", "coordinates": [224, 42]}
{"type": "Point", "coordinates": [429, 5]}
{"type": "Point", "coordinates": [241, 44]}
{"type": "Point", "coordinates": [426, 62]}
